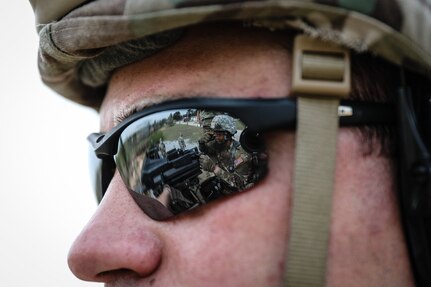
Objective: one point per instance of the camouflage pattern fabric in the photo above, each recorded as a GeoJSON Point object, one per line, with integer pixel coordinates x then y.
{"type": "Point", "coordinates": [397, 30]}
{"type": "Point", "coordinates": [223, 123]}
{"type": "Point", "coordinates": [233, 162]}
{"type": "Point", "coordinates": [179, 203]}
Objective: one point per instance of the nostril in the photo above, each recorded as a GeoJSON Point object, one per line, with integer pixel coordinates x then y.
{"type": "Point", "coordinates": [113, 275]}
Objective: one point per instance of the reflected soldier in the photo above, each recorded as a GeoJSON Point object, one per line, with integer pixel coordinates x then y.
{"type": "Point", "coordinates": [181, 142]}
{"type": "Point", "coordinates": [162, 149]}
{"type": "Point", "coordinates": [224, 156]}
{"type": "Point", "coordinates": [205, 117]}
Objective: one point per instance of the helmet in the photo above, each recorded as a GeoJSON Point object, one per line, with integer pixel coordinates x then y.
{"type": "Point", "coordinates": [73, 50]}
{"type": "Point", "coordinates": [76, 59]}
{"type": "Point", "coordinates": [223, 123]}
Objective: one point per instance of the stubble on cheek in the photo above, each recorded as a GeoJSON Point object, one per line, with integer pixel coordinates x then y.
{"type": "Point", "coordinates": [366, 246]}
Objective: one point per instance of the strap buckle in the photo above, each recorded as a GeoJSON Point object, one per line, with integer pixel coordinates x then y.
{"type": "Point", "coordinates": [320, 68]}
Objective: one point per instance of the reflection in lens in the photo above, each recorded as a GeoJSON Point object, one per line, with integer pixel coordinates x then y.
{"type": "Point", "coordinates": [185, 158]}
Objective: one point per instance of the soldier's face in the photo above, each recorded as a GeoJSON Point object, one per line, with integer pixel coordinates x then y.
{"type": "Point", "coordinates": [240, 240]}
{"type": "Point", "coordinates": [220, 137]}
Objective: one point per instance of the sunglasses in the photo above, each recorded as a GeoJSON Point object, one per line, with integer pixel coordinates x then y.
{"type": "Point", "coordinates": [178, 155]}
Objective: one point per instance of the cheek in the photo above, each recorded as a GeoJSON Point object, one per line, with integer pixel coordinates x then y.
{"type": "Point", "coordinates": [244, 234]}
{"type": "Point", "coordinates": [281, 150]}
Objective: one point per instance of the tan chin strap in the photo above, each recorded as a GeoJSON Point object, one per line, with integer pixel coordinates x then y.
{"type": "Point", "coordinates": [321, 76]}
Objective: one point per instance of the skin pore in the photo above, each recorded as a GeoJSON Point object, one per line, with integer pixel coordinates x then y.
{"type": "Point", "coordinates": [240, 240]}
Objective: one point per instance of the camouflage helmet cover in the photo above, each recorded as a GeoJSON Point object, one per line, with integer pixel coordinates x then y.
{"type": "Point", "coordinates": [73, 44]}
{"type": "Point", "coordinates": [223, 123]}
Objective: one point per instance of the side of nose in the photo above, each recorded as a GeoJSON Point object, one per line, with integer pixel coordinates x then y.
{"type": "Point", "coordinates": [118, 240]}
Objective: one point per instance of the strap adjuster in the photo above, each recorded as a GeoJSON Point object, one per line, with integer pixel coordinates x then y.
{"type": "Point", "coordinates": [320, 68]}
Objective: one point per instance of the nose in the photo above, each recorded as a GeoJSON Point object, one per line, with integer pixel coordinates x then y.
{"type": "Point", "coordinates": [119, 240]}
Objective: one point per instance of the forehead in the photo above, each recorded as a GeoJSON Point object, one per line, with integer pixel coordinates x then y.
{"type": "Point", "coordinates": [223, 60]}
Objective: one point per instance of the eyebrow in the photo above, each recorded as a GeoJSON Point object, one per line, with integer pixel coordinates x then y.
{"type": "Point", "coordinates": [126, 111]}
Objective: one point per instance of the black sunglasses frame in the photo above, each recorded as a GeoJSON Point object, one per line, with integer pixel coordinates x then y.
{"type": "Point", "coordinates": [259, 115]}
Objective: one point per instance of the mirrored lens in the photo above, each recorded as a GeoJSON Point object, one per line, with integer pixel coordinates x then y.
{"type": "Point", "coordinates": [177, 160]}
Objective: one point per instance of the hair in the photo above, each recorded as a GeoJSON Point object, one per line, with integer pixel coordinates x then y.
{"type": "Point", "coordinates": [373, 81]}
{"type": "Point", "coordinates": [376, 80]}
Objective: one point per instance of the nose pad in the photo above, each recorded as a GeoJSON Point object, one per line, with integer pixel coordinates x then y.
{"type": "Point", "coordinates": [252, 141]}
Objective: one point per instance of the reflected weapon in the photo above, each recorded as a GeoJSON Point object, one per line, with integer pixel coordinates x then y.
{"type": "Point", "coordinates": [179, 169]}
